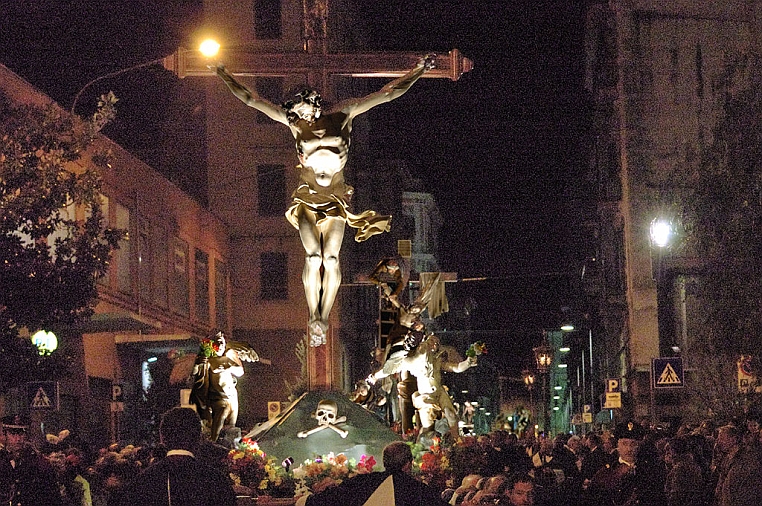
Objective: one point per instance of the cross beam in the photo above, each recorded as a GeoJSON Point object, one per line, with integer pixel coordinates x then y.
{"type": "Point", "coordinates": [241, 62]}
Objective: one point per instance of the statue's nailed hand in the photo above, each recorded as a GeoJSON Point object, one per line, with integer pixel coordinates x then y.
{"type": "Point", "coordinates": [429, 61]}
{"type": "Point", "coordinates": [220, 70]}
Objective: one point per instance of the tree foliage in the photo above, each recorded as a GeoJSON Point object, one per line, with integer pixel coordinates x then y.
{"type": "Point", "coordinates": [54, 244]}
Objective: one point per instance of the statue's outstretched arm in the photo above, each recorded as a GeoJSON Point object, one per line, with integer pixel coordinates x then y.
{"type": "Point", "coordinates": [394, 89]}
{"type": "Point", "coordinates": [461, 366]}
{"type": "Point", "coordinates": [250, 98]}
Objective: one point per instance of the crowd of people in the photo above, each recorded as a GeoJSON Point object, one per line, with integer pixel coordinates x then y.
{"type": "Point", "coordinates": [183, 469]}
{"type": "Point", "coordinates": [631, 464]}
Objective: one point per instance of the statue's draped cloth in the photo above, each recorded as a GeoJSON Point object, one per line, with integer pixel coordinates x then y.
{"type": "Point", "coordinates": [333, 201]}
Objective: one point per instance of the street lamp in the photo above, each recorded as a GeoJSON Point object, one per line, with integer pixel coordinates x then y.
{"type": "Point", "coordinates": [543, 355]}
{"type": "Point", "coordinates": [529, 382]}
{"type": "Point", "coordinates": [662, 237]}
{"type": "Point", "coordinates": [208, 49]}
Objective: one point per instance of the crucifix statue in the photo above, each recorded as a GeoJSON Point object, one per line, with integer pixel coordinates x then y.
{"type": "Point", "coordinates": [320, 205]}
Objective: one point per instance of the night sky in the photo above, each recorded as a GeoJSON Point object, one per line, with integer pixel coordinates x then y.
{"type": "Point", "coordinates": [502, 149]}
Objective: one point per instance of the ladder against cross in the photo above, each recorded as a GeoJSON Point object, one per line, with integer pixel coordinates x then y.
{"type": "Point", "coordinates": [318, 65]}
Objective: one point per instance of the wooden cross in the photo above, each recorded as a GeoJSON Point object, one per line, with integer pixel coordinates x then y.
{"type": "Point", "coordinates": [318, 65]}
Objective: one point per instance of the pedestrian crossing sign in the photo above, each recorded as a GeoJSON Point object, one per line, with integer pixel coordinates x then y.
{"type": "Point", "coordinates": [667, 372]}
{"type": "Point", "coordinates": [43, 395]}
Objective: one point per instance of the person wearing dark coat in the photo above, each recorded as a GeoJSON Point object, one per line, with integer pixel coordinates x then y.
{"type": "Point", "coordinates": [637, 477]}
{"type": "Point", "coordinates": [355, 491]}
{"type": "Point", "coordinates": [26, 476]}
{"type": "Point", "coordinates": [180, 479]}
{"type": "Point", "coordinates": [595, 459]}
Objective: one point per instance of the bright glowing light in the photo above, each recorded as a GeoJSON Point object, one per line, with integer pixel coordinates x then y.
{"type": "Point", "coordinates": [567, 327]}
{"type": "Point", "coordinates": [661, 233]}
{"type": "Point", "coordinates": [556, 397]}
{"type": "Point", "coordinates": [556, 408]}
{"type": "Point", "coordinates": [562, 366]}
{"type": "Point", "coordinates": [151, 360]}
{"type": "Point", "coordinates": [558, 387]}
{"type": "Point", "coordinates": [46, 342]}
{"type": "Point", "coordinates": [209, 48]}
{"type": "Point", "coordinates": [564, 349]}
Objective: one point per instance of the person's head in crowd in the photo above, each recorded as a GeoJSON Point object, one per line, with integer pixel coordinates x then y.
{"type": "Point", "coordinates": [14, 431]}
{"type": "Point", "coordinates": [499, 438]}
{"type": "Point", "coordinates": [728, 436]}
{"type": "Point", "coordinates": [519, 490]}
{"type": "Point", "coordinates": [397, 457]}
{"type": "Point", "coordinates": [629, 436]}
{"type": "Point", "coordinates": [575, 444]}
{"type": "Point", "coordinates": [447, 494]}
{"type": "Point", "coordinates": [608, 442]}
{"type": "Point", "coordinates": [561, 440]}
{"type": "Point", "coordinates": [546, 445]}
{"type": "Point", "coordinates": [592, 440]}
{"type": "Point", "coordinates": [753, 426]}
{"type": "Point", "coordinates": [180, 429]}
{"type": "Point", "coordinates": [468, 486]}
{"type": "Point", "coordinates": [470, 480]}
{"type": "Point", "coordinates": [675, 450]}
{"type": "Point", "coordinates": [706, 428]}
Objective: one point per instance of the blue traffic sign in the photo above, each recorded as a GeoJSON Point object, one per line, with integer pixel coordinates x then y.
{"type": "Point", "coordinates": [667, 372]}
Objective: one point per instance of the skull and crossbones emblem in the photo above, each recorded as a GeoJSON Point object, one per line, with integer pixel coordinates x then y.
{"type": "Point", "coordinates": [325, 414]}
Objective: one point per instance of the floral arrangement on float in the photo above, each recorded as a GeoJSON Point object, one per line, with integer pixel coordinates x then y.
{"type": "Point", "coordinates": [116, 466]}
{"type": "Point", "coordinates": [329, 470]}
{"type": "Point", "coordinates": [252, 471]}
{"type": "Point", "coordinates": [446, 462]}
{"type": "Point", "coordinates": [431, 464]}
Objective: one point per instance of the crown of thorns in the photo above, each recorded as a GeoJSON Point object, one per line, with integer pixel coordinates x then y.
{"type": "Point", "coordinates": [309, 96]}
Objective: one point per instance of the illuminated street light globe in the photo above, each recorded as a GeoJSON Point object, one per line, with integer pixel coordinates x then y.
{"type": "Point", "coordinates": [209, 48]}
{"type": "Point", "coordinates": [528, 378]}
{"type": "Point", "coordinates": [46, 342]}
{"type": "Point", "coordinates": [661, 232]}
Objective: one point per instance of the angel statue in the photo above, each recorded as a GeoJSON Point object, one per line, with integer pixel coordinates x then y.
{"type": "Point", "coordinates": [430, 399]}
{"type": "Point", "coordinates": [216, 370]}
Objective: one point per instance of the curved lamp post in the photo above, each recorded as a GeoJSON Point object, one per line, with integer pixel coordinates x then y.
{"type": "Point", "coordinates": [208, 49]}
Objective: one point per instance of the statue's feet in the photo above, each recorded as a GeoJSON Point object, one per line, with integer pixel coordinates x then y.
{"type": "Point", "coordinates": [317, 332]}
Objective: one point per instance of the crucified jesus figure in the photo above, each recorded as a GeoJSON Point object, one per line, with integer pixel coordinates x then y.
{"type": "Point", "coordinates": [320, 207]}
